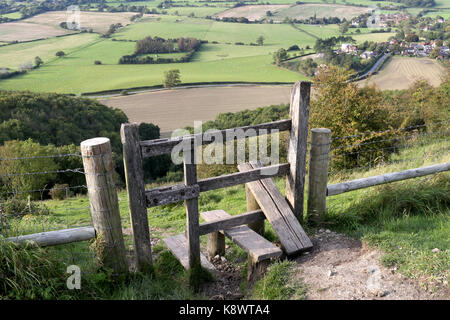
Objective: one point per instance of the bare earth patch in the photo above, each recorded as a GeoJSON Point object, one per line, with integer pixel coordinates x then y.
{"type": "Point", "coordinates": [343, 268]}
{"type": "Point", "coordinates": [21, 31]}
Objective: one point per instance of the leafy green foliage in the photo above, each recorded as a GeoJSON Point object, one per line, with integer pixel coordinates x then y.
{"type": "Point", "coordinates": [171, 78]}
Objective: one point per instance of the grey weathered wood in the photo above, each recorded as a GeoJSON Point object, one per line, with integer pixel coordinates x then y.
{"type": "Point", "coordinates": [232, 221]}
{"type": "Point", "coordinates": [99, 172]}
{"type": "Point", "coordinates": [164, 195]}
{"type": "Point", "coordinates": [156, 147]}
{"type": "Point", "coordinates": [252, 205]}
{"type": "Point", "coordinates": [278, 212]}
{"type": "Point", "coordinates": [299, 114]}
{"type": "Point", "coordinates": [178, 245]}
{"type": "Point", "coordinates": [176, 193]}
{"type": "Point", "coordinates": [192, 215]}
{"type": "Point", "coordinates": [215, 244]}
{"type": "Point", "coordinates": [319, 157]}
{"type": "Point", "coordinates": [255, 245]}
{"type": "Point", "coordinates": [137, 201]}
{"type": "Point", "coordinates": [57, 237]}
{"type": "Point", "coordinates": [335, 189]}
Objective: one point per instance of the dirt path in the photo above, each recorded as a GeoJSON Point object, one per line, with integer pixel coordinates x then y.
{"type": "Point", "coordinates": [342, 268]}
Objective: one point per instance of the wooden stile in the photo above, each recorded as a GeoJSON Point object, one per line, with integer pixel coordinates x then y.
{"type": "Point", "coordinates": [278, 212]}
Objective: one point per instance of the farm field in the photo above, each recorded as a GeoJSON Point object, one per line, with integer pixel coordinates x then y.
{"type": "Point", "coordinates": [98, 21]}
{"type": "Point", "coordinates": [400, 72]}
{"type": "Point", "coordinates": [304, 11]}
{"type": "Point", "coordinates": [163, 107]}
{"type": "Point", "coordinates": [22, 31]}
{"type": "Point", "coordinates": [12, 56]}
{"type": "Point", "coordinates": [251, 12]}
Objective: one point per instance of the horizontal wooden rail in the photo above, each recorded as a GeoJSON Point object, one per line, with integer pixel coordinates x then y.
{"type": "Point", "coordinates": [151, 148]}
{"type": "Point", "coordinates": [52, 238]}
{"type": "Point", "coordinates": [233, 221]}
{"type": "Point", "coordinates": [343, 187]}
{"type": "Point", "coordinates": [180, 192]}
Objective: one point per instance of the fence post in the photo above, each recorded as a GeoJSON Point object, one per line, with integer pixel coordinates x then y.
{"type": "Point", "coordinates": [319, 157]}
{"type": "Point", "coordinates": [192, 217]}
{"type": "Point", "coordinates": [134, 175]}
{"type": "Point", "coordinates": [299, 114]}
{"type": "Point", "coordinates": [104, 204]}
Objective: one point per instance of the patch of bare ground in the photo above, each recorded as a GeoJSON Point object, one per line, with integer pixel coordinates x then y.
{"type": "Point", "coordinates": [342, 268]}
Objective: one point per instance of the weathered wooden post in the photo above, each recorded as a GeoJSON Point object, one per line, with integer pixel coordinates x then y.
{"type": "Point", "coordinates": [318, 172]}
{"type": "Point", "coordinates": [134, 174]}
{"type": "Point", "coordinates": [299, 114]}
{"type": "Point", "coordinates": [253, 205]}
{"type": "Point", "coordinates": [192, 215]}
{"type": "Point", "coordinates": [99, 172]}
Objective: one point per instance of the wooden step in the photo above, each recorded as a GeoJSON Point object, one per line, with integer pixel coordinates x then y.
{"type": "Point", "coordinates": [277, 210]}
{"type": "Point", "coordinates": [178, 245]}
{"type": "Point", "coordinates": [256, 246]}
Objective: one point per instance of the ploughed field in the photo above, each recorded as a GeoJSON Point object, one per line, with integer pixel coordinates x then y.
{"type": "Point", "coordinates": [174, 109]}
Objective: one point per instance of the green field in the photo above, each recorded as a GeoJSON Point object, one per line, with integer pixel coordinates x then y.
{"type": "Point", "coordinates": [12, 56]}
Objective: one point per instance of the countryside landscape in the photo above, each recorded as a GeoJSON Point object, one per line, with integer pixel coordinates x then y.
{"type": "Point", "coordinates": [348, 101]}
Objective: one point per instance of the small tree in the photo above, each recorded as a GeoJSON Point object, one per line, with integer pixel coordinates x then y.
{"type": "Point", "coordinates": [260, 40]}
{"type": "Point", "coordinates": [97, 62]}
{"type": "Point", "coordinates": [279, 56]}
{"type": "Point", "coordinates": [60, 54]}
{"type": "Point", "coordinates": [171, 78]}
{"type": "Point", "coordinates": [38, 61]}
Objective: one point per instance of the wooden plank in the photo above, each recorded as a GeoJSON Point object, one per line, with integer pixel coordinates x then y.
{"type": "Point", "coordinates": [232, 221]}
{"type": "Point", "coordinates": [104, 204]}
{"type": "Point", "coordinates": [180, 192]}
{"type": "Point", "coordinates": [151, 148]}
{"type": "Point", "coordinates": [134, 176]}
{"type": "Point", "coordinates": [339, 188]}
{"type": "Point", "coordinates": [176, 193]}
{"type": "Point", "coordinates": [252, 205]}
{"type": "Point", "coordinates": [178, 245]}
{"type": "Point", "coordinates": [192, 217]}
{"type": "Point", "coordinates": [57, 237]}
{"type": "Point", "coordinates": [299, 114]}
{"type": "Point", "coordinates": [237, 178]}
{"type": "Point", "coordinates": [255, 245]}
{"type": "Point", "coordinates": [276, 209]}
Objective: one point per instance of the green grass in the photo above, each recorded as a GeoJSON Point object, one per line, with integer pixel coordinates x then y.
{"type": "Point", "coordinates": [14, 55]}
{"type": "Point", "coordinates": [280, 283]}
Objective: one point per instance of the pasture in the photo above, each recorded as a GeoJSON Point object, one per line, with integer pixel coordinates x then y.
{"type": "Point", "coordinates": [12, 56]}
{"type": "Point", "coordinates": [198, 104]}
{"type": "Point", "coordinates": [400, 72]}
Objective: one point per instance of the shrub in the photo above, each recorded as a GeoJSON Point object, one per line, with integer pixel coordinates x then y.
{"type": "Point", "coordinates": [60, 191]}
{"type": "Point", "coordinates": [97, 62]}
{"type": "Point", "coordinates": [17, 208]}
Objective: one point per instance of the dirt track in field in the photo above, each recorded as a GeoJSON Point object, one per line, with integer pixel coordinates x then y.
{"type": "Point", "coordinates": [173, 109]}
{"type": "Point", "coordinates": [399, 73]}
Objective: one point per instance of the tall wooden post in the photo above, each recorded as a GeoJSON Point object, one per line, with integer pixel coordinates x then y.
{"type": "Point", "coordinates": [99, 171]}
{"type": "Point", "coordinates": [192, 215]}
{"type": "Point", "coordinates": [318, 172]}
{"type": "Point", "coordinates": [299, 114]}
{"type": "Point", "coordinates": [134, 174]}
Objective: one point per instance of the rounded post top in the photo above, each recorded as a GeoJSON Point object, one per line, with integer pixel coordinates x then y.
{"type": "Point", "coordinates": [321, 130]}
{"type": "Point", "coordinates": [95, 146]}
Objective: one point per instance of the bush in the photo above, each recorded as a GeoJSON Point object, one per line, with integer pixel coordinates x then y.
{"type": "Point", "coordinates": [17, 208]}
{"type": "Point", "coordinates": [97, 62]}
{"type": "Point", "coordinates": [60, 191]}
